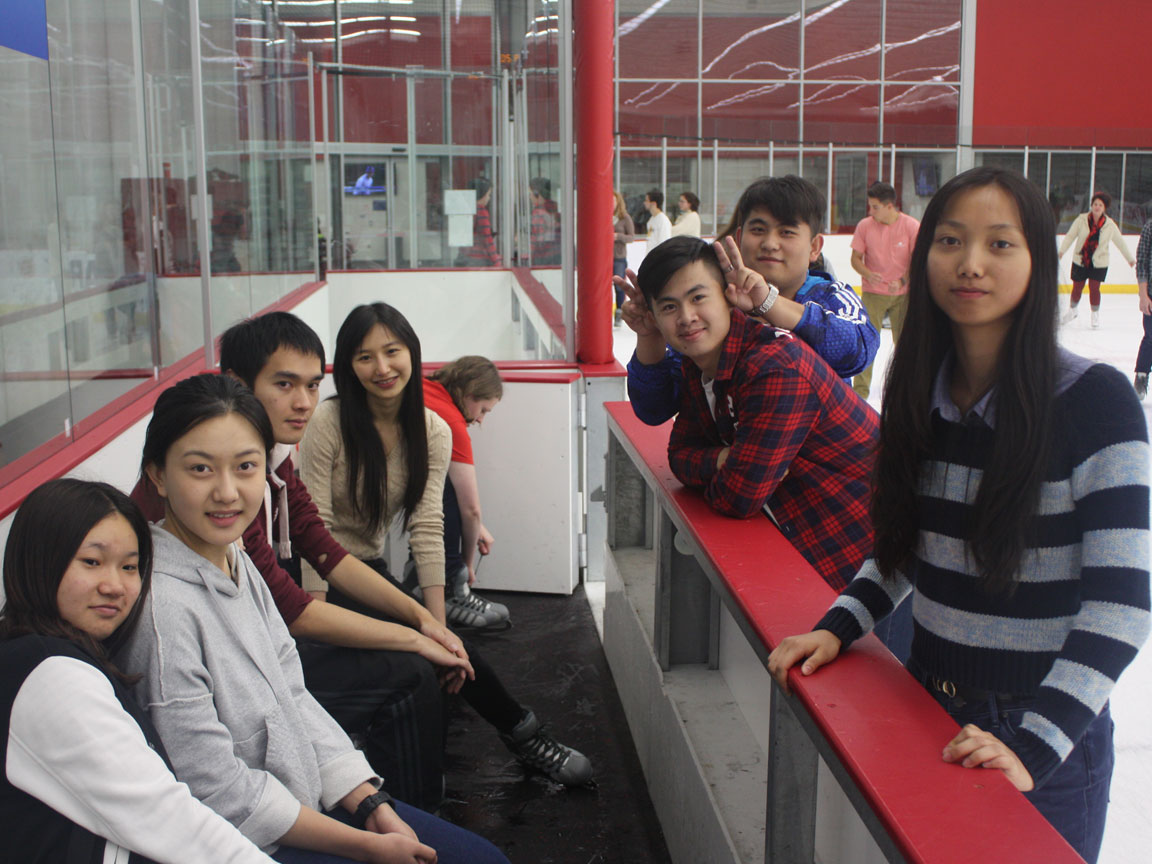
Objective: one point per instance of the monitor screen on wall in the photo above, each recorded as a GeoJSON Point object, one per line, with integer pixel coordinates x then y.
{"type": "Point", "coordinates": [363, 180]}
{"type": "Point", "coordinates": [927, 176]}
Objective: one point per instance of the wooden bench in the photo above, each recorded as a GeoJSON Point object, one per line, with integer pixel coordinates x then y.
{"type": "Point", "coordinates": [695, 602]}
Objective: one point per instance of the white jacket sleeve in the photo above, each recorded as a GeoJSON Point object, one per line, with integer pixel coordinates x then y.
{"type": "Point", "coordinates": [1122, 244]}
{"type": "Point", "coordinates": [74, 747]}
{"type": "Point", "coordinates": [1075, 235]}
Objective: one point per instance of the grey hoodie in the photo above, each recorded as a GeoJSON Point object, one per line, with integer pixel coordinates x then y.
{"type": "Point", "coordinates": [223, 685]}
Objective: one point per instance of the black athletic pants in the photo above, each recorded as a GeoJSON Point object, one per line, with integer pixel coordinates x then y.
{"type": "Point", "coordinates": [486, 694]}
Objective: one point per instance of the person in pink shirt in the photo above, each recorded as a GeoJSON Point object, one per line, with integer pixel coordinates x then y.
{"type": "Point", "coordinates": [881, 251]}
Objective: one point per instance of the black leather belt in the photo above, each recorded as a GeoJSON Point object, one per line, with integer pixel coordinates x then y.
{"type": "Point", "coordinates": [961, 694]}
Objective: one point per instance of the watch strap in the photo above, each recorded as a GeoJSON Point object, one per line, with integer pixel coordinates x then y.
{"type": "Point", "coordinates": [769, 301]}
{"type": "Point", "coordinates": [368, 806]}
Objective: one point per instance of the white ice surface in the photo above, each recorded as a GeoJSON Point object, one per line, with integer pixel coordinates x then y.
{"type": "Point", "coordinates": [1128, 836]}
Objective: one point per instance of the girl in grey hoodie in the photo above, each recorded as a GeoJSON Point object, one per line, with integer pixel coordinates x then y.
{"type": "Point", "coordinates": [221, 679]}
{"type": "Point", "coordinates": [83, 775]}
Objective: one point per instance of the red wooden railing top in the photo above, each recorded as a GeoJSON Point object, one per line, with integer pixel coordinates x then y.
{"type": "Point", "coordinates": [884, 727]}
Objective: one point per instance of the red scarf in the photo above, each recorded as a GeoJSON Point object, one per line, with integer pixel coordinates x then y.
{"type": "Point", "coordinates": [1093, 240]}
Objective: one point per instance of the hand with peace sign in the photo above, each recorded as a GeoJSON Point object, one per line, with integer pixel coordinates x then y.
{"type": "Point", "coordinates": [747, 290]}
{"type": "Point", "coordinates": [638, 317]}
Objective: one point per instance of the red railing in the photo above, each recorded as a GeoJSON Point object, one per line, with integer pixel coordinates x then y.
{"type": "Point", "coordinates": [865, 711]}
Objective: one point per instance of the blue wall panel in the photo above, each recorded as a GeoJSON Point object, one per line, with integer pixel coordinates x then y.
{"type": "Point", "coordinates": [24, 26]}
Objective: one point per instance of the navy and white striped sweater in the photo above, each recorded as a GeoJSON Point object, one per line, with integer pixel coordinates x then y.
{"type": "Point", "coordinates": [1080, 610]}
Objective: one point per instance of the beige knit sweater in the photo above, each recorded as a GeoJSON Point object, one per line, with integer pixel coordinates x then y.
{"type": "Point", "coordinates": [324, 470]}
{"type": "Point", "coordinates": [1109, 234]}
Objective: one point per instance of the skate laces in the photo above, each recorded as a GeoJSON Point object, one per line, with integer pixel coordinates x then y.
{"type": "Point", "coordinates": [471, 601]}
{"type": "Point", "coordinates": [544, 752]}
{"type": "Point", "coordinates": [466, 611]}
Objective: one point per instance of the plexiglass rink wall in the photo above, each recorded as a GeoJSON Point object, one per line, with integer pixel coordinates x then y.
{"type": "Point", "coordinates": [157, 162]}
{"type": "Point", "coordinates": [157, 165]}
{"type": "Point", "coordinates": [714, 93]}
{"type": "Point", "coordinates": [107, 247]}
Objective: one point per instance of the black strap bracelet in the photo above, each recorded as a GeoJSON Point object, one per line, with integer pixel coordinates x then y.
{"type": "Point", "coordinates": [368, 807]}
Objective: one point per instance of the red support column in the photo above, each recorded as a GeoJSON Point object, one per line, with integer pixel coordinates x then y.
{"type": "Point", "coordinates": [593, 24]}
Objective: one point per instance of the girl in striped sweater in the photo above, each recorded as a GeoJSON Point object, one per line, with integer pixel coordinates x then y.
{"type": "Point", "coordinates": [1011, 498]}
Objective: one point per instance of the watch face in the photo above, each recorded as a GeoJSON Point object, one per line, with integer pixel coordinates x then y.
{"type": "Point", "coordinates": [769, 301]}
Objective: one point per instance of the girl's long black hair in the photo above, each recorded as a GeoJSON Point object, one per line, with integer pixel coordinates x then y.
{"type": "Point", "coordinates": [367, 462]}
{"type": "Point", "coordinates": [46, 532]}
{"type": "Point", "coordinates": [1009, 492]}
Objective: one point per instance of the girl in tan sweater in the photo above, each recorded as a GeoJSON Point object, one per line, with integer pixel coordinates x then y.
{"type": "Point", "coordinates": [374, 453]}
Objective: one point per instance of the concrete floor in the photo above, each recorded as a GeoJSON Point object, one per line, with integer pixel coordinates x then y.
{"type": "Point", "coordinates": [551, 661]}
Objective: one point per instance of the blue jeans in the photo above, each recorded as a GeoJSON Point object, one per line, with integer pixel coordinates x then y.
{"type": "Point", "coordinates": [1074, 799]}
{"type": "Point", "coordinates": [619, 265]}
{"type": "Point", "coordinates": [1144, 354]}
{"type": "Point", "coordinates": [453, 845]}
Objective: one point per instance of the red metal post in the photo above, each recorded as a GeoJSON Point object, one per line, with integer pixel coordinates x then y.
{"type": "Point", "coordinates": [593, 24]}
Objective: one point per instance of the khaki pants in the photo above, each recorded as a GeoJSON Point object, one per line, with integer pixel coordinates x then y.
{"type": "Point", "coordinates": [876, 305]}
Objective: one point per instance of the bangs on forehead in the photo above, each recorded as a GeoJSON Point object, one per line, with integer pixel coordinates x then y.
{"type": "Point", "coordinates": [387, 336]}
{"type": "Point", "coordinates": [763, 214]}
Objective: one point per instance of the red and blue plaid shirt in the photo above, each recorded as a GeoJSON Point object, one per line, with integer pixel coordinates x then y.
{"type": "Point", "coordinates": [801, 442]}
{"type": "Point", "coordinates": [482, 252]}
{"type": "Point", "coordinates": [545, 235]}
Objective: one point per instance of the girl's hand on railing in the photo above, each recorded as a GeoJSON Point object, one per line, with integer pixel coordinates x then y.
{"type": "Point", "coordinates": [815, 649]}
{"type": "Point", "coordinates": [975, 748]}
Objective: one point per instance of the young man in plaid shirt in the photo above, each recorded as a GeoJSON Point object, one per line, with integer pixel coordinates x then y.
{"type": "Point", "coordinates": [763, 422]}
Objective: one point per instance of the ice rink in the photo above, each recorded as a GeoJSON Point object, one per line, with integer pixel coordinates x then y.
{"type": "Point", "coordinates": [1128, 837]}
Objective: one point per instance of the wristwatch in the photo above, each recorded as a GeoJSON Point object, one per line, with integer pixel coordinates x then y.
{"type": "Point", "coordinates": [368, 806]}
{"type": "Point", "coordinates": [762, 310]}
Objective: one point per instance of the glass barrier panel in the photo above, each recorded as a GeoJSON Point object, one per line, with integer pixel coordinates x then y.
{"type": "Point", "coordinates": [922, 40]}
{"type": "Point", "coordinates": [815, 171]}
{"type": "Point", "coordinates": [98, 140]}
{"type": "Point", "coordinates": [471, 234]}
{"type": "Point", "coordinates": [1109, 178]}
{"type": "Point", "coordinates": [842, 42]}
{"type": "Point", "coordinates": [655, 109]}
{"type": "Point", "coordinates": [751, 113]}
{"type": "Point", "coordinates": [657, 39]}
{"type": "Point", "coordinates": [368, 203]}
{"type": "Point", "coordinates": [921, 115]}
{"type": "Point", "coordinates": [746, 42]}
{"type": "Point", "coordinates": [34, 404]}
{"type": "Point", "coordinates": [430, 228]}
{"type": "Point", "coordinates": [735, 173]}
{"type": "Point", "coordinates": [1038, 168]}
{"type": "Point", "coordinates": [842, 113]}
{"type": "Point", "coordinates": [167, 179]}
{"type": "Point", "coordinates": [683, 176]}
{"type": "Point", "coordinates": [852, 174]}
{"type": "Point", "coordinates": [1009, 159]}
{"type": "Point", "coordinates": [241, 109]}
{"type": "Point", "coordinates": [919, 175]}
{"type": "Point", "coordinates": [1068, 193]}
{"type": "Point", "coordinates": [1137, 192]}
{"type": "Point", "coordinates": [639, 173]}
